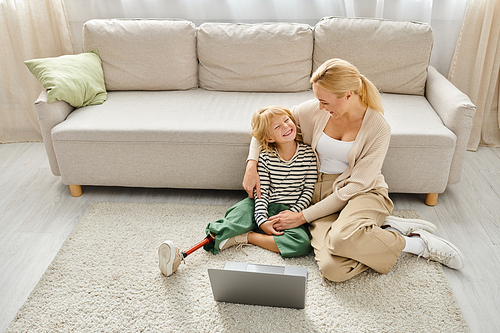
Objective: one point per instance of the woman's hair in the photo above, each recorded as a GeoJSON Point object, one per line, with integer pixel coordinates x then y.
{"type": "Point", "coordinates": [262, 120]}
{"type": "Point", "coordinates": [339, 77]}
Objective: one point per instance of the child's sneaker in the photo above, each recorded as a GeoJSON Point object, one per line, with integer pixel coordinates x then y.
{"type": "Point", "coordinates": [239, 241]}
{"type": "Point", "coordinates": [170, 258]}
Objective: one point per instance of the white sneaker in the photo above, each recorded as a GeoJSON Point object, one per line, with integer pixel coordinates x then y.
{"type": "Point", "coordinates": [169, 257]}
{"type": "Point", "coordinates": [440, 250]}
{"type": "Point", "coordinates": [407, 226]}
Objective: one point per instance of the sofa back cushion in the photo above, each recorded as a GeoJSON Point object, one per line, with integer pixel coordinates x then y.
{"type": "Point", "coordinates": [144, 54]}
{"type": "Point", "coordinates": [266, 57]}
{"type": "Point", "coordinates": [394, 55]}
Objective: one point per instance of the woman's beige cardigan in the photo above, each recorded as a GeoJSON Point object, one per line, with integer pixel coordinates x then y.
{"type": "Point", "coordinates": [365, 158]}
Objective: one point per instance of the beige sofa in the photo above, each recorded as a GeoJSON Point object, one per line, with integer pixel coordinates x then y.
{"type": "Point", "coordinates": [180, 100]}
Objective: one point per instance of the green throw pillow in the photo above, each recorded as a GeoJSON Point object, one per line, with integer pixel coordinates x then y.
{"type": "Point", "coordinates": [76, 79]}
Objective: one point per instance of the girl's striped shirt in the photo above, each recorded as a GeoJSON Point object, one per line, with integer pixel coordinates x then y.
{"type": "Point", "coordinates": [287, 182]}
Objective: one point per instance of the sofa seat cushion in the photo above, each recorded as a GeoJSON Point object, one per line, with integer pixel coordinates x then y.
{"type": "Point", "coordinates": [414, 123]}
{"type": "Point", "coordinates": [192, 116]}
{"type": "Point", "coordinates": [224, 117]}
{"type": "Point", "coordinates": [421, 147]}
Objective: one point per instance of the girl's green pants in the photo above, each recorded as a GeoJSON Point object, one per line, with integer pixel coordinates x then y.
{"type": "Point", "coordinates": [239, 219]}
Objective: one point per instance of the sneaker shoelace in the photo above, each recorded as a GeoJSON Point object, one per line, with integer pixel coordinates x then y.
{"type": "Point", "coordinates": [241, 242]}
{"type": "Point", "coordinates": [443, 258]}
{"type": "Point", "coordinates": [410, 231]}
{"type": "Point", "coordinates": [178, 254]}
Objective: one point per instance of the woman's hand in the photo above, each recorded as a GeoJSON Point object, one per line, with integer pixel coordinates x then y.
{"type": "Point", "coordinates": [287, 220]}
{"type": "Point", "coordinates": [268, 228]}
{"type": "Point", "coordinates": [251, 180]}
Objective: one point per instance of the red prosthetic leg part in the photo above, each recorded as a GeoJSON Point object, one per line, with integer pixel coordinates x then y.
{"type": "Point", "coordinates": [206, 240]}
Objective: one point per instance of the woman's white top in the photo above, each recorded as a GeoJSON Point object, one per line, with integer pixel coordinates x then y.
{"type": "Point", "coordinates": [333, 154]}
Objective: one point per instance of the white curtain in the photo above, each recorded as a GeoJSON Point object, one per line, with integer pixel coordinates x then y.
{"type": "Point", "coordinates": [475, 69]}
{"type": "Point", "coordinates": [28, 29]}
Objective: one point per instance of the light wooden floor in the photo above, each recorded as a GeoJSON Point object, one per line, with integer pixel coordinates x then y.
{"type": "Point", "coordinates": [37, 214]}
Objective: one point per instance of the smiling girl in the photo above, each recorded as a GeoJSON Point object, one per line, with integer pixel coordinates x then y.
{"type": "Point", "coordinates": [288, 172]}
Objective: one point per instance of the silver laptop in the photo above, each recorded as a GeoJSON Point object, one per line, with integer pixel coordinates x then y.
{"type": "Point", "coordinates": [267, 285]}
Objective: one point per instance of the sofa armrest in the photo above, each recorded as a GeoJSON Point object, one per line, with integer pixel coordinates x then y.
{"type": "Point", "coordinates": [49, 115]}
{"type": "Point", "coordinates": [456, 111]}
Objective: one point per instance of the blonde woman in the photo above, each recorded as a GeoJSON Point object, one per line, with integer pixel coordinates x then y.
{"type": "Point", "coordinates": [288, 172]}
{"type": "Point", "coordinates": [348, 221]}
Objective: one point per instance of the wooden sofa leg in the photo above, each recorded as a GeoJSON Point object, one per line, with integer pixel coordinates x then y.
{"type": "Point", "coordinates": [76, 190]}
{"type": "Point", "coordinates": [431, 199]}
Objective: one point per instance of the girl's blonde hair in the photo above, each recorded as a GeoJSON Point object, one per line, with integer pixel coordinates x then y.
{"type": "Point", "coordinates": [262, 120]}
{"type": "Point", "coordinates": [339, 77]}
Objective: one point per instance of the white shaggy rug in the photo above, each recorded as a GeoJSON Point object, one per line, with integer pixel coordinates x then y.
{"type": "Point", "coordinates": [105, 278]}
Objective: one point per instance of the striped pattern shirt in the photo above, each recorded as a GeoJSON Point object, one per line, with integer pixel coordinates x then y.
{"type": "Point", "coordinates": [287, 182]}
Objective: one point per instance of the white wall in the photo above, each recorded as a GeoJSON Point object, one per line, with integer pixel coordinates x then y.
{"type": "Point", "coordinates": [445, 16]}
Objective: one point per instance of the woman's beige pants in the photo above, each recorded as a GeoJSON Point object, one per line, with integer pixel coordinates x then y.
{"type": "Point", "coordinates": [351, 241]}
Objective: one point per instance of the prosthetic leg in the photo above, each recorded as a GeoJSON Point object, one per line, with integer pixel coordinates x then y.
{"type": "Point", "coordinates": [206, 240]}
